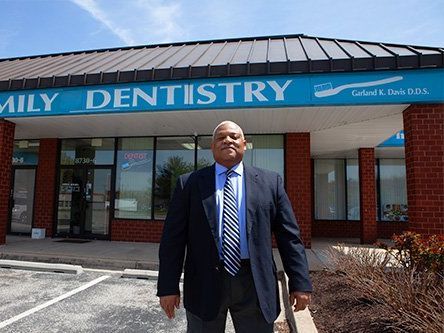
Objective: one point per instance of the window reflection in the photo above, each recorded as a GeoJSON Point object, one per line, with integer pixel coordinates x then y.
{"type": "Point", "coordinates": [26, 152]}
{"type": "Point", "coordinates": [263, 151]}
{"type": "Point", "coordinates": [393, 190]}
{"type": "Point", "coordinates": [353, 210]}
{"type": "Point", "coordinates": [329, 189]}
{"type": "Point", "coordinates": [174, 157]}
{"type": "Point", "coordinates": [97, 151]}
{"type": "Point", "coordinates": [134, 172]}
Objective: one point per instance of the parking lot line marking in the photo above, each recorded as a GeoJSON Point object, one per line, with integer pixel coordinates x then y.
{"type": "Point", "coordinates": [53, 301]}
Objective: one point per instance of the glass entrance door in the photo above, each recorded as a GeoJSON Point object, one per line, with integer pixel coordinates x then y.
{"type": "Point", "coordinates": [84, 202]}
{"type": "Point", "coordinates": [22, 201]}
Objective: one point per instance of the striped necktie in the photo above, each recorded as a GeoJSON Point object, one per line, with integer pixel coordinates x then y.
{"type": "Point", "coordinates": [231, 234]}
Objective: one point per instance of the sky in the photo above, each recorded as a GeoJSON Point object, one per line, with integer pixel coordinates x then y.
{"type": "Point", "coordinates": [33, 27]}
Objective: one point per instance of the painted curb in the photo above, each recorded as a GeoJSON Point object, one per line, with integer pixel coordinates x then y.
{"type": "Point", "coordinates": [40, 266]}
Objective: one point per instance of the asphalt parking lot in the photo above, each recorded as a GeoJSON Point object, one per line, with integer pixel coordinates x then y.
{"type": "Point", "coordinates": [94, 301]}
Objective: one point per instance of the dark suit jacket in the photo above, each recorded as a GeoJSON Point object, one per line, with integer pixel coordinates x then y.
{"type": "Point", "coordinates": [191, 227]}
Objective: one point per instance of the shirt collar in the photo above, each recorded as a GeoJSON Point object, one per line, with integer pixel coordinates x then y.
{"type": "Point", "coordinates": [238, 168]}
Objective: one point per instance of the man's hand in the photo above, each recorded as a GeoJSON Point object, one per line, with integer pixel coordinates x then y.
{"type": "Point", "coordinates": [168, 303]}
{"type": "Point", "coordinates": [299, 300]}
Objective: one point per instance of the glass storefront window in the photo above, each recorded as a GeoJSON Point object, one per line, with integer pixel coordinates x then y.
{"type": "Point", "coordinates": [26, 152]}
{"type": "Point", "coordinates": [393, 190]}
{"type": "Point", "coordinates": [174, 157]}
{"type": "Point", "coordinates": [96, 151]}
{"type": "Point", "coordinates": [204, 154]}
{"type": "Point", "coordinates": [134, 178]}
{"type": "Point", "coordinates": [353, 211]}
{"type": "Point", "coordinates": [266, 152]}
{"type": "Point", "coordinates": [263, 151]}
{"type": "Point", "coordinates": [329, 189]}
{"type": "Point", "coordinates": [23, 200]}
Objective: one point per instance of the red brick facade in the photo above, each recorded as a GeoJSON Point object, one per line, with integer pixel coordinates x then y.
{"type": "Point", "coordinates": [6, 148]}
{"type": "Point", "coordinates": [387, 229]}
{"type": "Point", "coordinates": [136, 231]}
{"type": "Point", "coordinates": [367, 195]}
{"type": "Point", "coordinates": [424, 132]}
{"type": "Point", "coordinates": [352, 229]}
{"type": "Point", "coordinates": [336, 228]}
{"type": "Point", "coordinates": [45, 185]}
{"type": "Point", "coordinates": [298, 180]}
{"type": "Point", "coordinates": [424, 158]}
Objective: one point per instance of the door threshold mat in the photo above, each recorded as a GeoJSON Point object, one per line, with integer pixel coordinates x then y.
{"type": "Point", "coordinates": [73, 240]}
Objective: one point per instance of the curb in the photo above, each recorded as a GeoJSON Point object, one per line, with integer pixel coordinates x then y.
{"type": "Point", "coordinates": [139, 274]}
{"type": "Point", "coordinates": [99, 263]}
{"type": "Point", "coordinates": [299, 322]}
{"type": "Point", "coordinates": [40, 266]}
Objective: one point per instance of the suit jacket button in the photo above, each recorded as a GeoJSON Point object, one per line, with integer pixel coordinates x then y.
{"type": "Point", "coordinates": [217, 268]}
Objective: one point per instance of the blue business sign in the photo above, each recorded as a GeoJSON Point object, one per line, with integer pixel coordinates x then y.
{"type": "Point", "coordinates": [263, 91]}
{"type": "Point", "coordinates": [396, 140]}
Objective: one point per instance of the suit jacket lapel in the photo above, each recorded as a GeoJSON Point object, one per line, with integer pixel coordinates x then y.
{"type": "Point", "coordinates": [251, 189]}
{"type": "Point", "coordinates": [207, 189]}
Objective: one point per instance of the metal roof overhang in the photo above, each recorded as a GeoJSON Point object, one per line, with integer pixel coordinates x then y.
{"type": "Point", "coordinates": [267, 55]}
{"type": "Point", "coordinates": [336, 131]}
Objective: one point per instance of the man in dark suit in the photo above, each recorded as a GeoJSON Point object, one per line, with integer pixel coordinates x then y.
{"type": "Point", "coordinates": [223, 217]}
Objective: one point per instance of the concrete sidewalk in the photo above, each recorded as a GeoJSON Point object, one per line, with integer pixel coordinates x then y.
{"type": "Point", "coordinates": [144, 256]}
{"type": "Point", "coordinates": [121, 255]}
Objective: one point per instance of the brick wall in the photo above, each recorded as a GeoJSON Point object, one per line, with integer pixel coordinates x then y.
{"type": "Point", "coordinates": [424, 158]}
{"type": "Point", "coordinates": [330, 228]}
{"type": "Point", "coordinates": [298, 180]}
{"type": "Point", "coordinates": [136, 231]}
{"type": "Point", "coordinates": [387, 229]}
{"type": "Point", "coordinates": [45, 186]}
{"type": "Point", "coordinates": [6, 148]}
{"type": "Point", "coordinates": [352, 229]}
{"type": "Point", "coordinates": [367, 195]}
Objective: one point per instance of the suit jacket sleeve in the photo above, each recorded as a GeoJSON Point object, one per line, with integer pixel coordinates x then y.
{"type": "Point", "coordinates": [173, 242]}
{"type": "Point", "coordinates": [291, 248]}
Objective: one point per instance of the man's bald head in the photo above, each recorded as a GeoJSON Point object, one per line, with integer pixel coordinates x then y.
{"type": "Point", "coordinates": [228, 144]}
{"type": "Point", "coordinates": [227, 122]}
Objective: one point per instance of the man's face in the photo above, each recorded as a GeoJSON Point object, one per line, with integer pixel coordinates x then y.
{"type": "Point", "coordinates": [228, 145]}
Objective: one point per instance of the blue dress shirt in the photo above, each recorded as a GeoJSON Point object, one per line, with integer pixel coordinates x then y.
{"type": "Point", "coordinates": [238, 182]}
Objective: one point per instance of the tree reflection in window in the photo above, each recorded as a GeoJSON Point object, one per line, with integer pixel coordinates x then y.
{"type": "Point", "coordinates": [174, 157]}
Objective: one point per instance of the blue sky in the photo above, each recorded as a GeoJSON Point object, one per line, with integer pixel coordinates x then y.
{"type": "Point", "coordinates": [30, 27]}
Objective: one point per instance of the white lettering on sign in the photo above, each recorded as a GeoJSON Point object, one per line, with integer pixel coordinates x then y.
{"type": "Point", "coordinates": [211, 96]}
{"type": "Point", "coordinates": [256, 92]}
{"type": "Point", "coordinates": [188, 94]}
{"type": "Point", "coordinates": [28, 103]}
{"type": "Point", "coordinates": [170, 93]}
{"type": "Point", "coordinates": [21, 103]}
{"type": "Point", "coordinates": [278, 89]}
{"type": "Point", "coordinates": [9, 103]}
{"type": "Point", "coordinates": [119, 97]}
{"type": "Point", "coordinates": [106, 96]}
{"type": "Point", "coordinates": [139, 93]}
{"type": "Point", "coordinates": [229, 90]}
{"type": "Point", "coordinates": [48, 101]}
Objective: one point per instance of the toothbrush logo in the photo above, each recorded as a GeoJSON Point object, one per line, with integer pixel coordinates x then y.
{"type": "Point", "coordinates": [326, 89]}
{"type": "Point", "coordinates": [128, 165]}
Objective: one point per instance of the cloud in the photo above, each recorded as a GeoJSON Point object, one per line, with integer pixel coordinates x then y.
{"type": "Point", "coordinates": [92, 7]}
{"type": "Point", "coordinates": [137, 21]}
